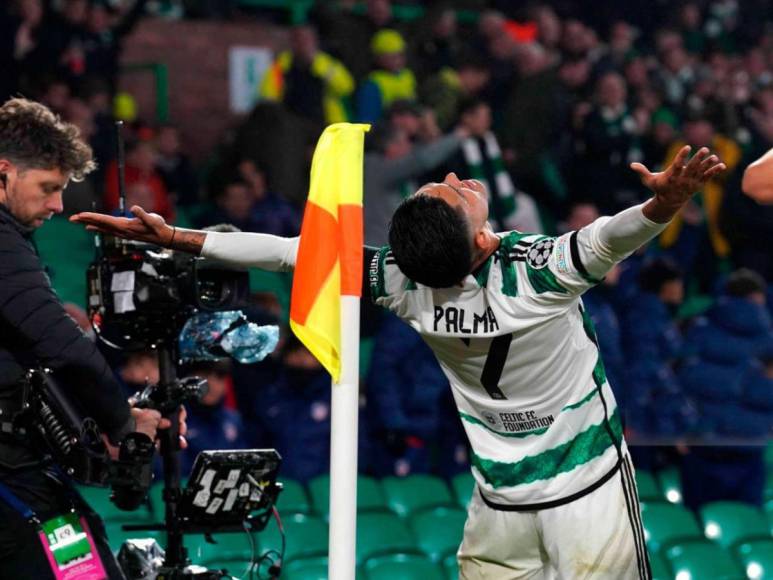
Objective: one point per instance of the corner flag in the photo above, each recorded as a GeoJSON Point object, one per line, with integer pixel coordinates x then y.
{"type": "Point", "coordinates": [329, 261]}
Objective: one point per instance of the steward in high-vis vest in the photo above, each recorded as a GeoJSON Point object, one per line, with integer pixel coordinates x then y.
{"type": "Point", "coordinates": [309, 82]}
{"type": "Point", "coordinates": [390, 81]}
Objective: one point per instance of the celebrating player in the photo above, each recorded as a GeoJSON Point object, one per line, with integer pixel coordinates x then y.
{"type": "Point", "coordinates": [502, 313]}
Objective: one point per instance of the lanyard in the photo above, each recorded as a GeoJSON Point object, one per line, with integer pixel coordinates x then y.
{"type": "Point", "coordinates": [17, 504]}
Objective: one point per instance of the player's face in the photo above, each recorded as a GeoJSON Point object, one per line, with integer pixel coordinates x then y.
{"type": "Point", "coordinates": [469, 195]}
{"type": "Point", "coordinates": [33, 195]}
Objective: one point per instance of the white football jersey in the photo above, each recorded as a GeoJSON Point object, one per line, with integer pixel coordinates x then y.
{"type": "Point", "coordinates": [522, 360]}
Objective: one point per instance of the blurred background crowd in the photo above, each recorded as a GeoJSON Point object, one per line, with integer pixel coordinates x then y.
{"type": "Point", "coordinates": [548, 103]}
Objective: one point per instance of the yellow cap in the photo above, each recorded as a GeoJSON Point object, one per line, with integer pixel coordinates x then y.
{"type": "Point", "coordinates": [387, 41]}
{"type": "Point", "coordinates": [124, 107]}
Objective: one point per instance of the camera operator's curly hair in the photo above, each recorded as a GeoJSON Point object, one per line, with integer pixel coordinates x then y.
{"type": "Point", "coordinates": [33, 137]}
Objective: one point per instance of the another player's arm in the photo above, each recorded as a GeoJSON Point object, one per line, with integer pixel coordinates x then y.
{"type": "Point", "coordinates": [758, 179]}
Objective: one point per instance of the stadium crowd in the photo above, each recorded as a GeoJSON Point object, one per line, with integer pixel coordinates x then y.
{"type": "Point", "coordinates": [545, 103]}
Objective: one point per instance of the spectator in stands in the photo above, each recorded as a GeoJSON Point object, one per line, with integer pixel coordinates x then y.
{"type": "Point", "coordinates": [140, 168]}
{"type": "Point", "coordinates": [294, 414]}
{"type": "Point", "coordinates": [696, 243]}
{"type": "Point", "coordinates": [407, 116]}
{"type": "Point", "coordinates": [21, 49]}
{"type": "Point", "coordinates": [270, 213]}
{"type": "Point", "coordinates": [390, 79]}
{"type": "Point", "coordinates": [175, 167]}
{"type": "Point", "coordinates": [234, 206]}
{"type": "Point", "coordinates": [250, 207]}
{"type": "Point", "coordinates": [103, 38]}
{"type": "Point", "coordinates": [610, 139]}
{"type": "Point", "coordinates": [405, 410]}
{"type": "Point", "coordinates": [81, 195]}
{"type": "Point", "coordinates": [309, 82]}
{"type": "Point", "coordinates": [211, 424]}
{"type": "Point", "coordinates": [348, 35]}
{"type": "Point", "coordinates": [444, 91]}
{"type": "Point", "coordinates": [729, 379]}
{"type": "Point", "coordinates": [527, 145]}
{"type": "Point", "coordinates": [657, 408]}
{"type": "Point", "coordinates": [435, 41]}
{"type": "Point", "coordinates": [746, 220]}
{"type": "Point", "coordinates": [391, 163]}
{"type": "Point", "coordinates": [480, 157]}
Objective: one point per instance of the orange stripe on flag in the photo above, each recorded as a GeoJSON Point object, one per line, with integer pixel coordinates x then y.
{"type": "Point", "coordinates": [350, 253]}
{"type": "Point", "coordinates": [318, 253]}
{"type": "Point", "coordinates": [329, 261]}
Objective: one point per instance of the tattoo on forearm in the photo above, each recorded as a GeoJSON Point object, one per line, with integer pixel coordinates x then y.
{"type": "Point", "coordinates": [190, 241]}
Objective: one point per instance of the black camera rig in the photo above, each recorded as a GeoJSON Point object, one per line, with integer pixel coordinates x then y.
{"type": "Point", "coordinates": [61, 430]}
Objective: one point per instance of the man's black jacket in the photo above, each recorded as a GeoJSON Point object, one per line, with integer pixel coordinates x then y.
{"type": "Point", "coordinates": [35, 331]}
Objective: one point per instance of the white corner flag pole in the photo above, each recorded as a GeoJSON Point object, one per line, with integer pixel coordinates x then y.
{"type": "Point", "coordinates": [343, 447]}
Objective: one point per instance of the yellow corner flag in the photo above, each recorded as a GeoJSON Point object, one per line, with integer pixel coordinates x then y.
{"type": "Point", "coordinates": [329, 262]}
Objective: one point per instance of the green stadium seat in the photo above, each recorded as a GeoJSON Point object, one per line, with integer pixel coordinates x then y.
{"type": "Point", "coordinates": [660, 570]}
{"type": "Point", "coordinates": [671, 484]}
{"type": "Point", "coordinates": [305, 535]}
{"type": "Point", "coordinates": [769, 513]}
{"type": "Point", "coordinates": [438, 531]}
{"type": "Point", "coordinates": [405, 495]}
{"type": "Point", "coordinates": [233, 551]}
{"type": "Point", "coordinates": [729, 522]}
{"type": "Point", "coordinates": [403, 566]}
{"type": "Point", "coordinates": [463, 485]}
{"type": "Point", "coordinates": [647, 486]}
{"type": "Point", "coordinates": [769, 456]}
{"type": "Point", "coordinates": [769, 485]}
{"type": "Point", "coordinates": [366, 355]}
{"type": "Point", "coordinates": [757, 558]}
{"type": "Point", "coordinates": [701, 559]}
{"type": "Point", "coordinates": [293, 498]}
{"type": "Point", "coordinates": [370, 496]}
{"type": "Point", "coordinates": [382, 533]}
{"type": "Point", "coordinates": [666, 523]}
{"type": "Point", "coordinates": [306, 569]}
{"type": "Point", "coordinates": [451, 567]}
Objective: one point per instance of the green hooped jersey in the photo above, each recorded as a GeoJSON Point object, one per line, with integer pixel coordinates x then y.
{"type": "Point", "coordinates": [521, 356]}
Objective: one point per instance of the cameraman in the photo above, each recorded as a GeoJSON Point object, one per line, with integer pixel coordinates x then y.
{"type": "Point", "coordinates": [39, 154]}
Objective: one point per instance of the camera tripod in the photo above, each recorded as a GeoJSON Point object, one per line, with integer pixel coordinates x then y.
{"type": "Point", "coordinates": [167, 397]}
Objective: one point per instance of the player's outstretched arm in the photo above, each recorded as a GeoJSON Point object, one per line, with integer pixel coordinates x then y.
{"type": "Point", "coordinates": [241, 249]}
{"type": "Point", "coordinates": [674, 186]}
{"type": "Point", "coordinates": [144, 227]}
{"type": "Point", "coordinates": [758, 179]}
{"type": "Point", "coordinates": [609, 240]}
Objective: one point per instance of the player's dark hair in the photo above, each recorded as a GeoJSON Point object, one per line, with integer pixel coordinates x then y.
{"type": "Point", "coordinates": [33, 137]}
{"type": "Point", "coordinates": [430, 241]}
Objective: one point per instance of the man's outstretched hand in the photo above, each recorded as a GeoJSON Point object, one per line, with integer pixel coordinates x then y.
{"type": "Point", "coordinates": [145, 227]}
{"type": "Point", "coordinates": [674, 186]}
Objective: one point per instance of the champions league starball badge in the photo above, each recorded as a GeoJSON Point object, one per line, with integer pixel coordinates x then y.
{"type": "Point", "coordinates": [539, 252]}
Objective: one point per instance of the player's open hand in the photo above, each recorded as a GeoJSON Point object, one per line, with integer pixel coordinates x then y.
{"type": "Point", "coordinates": [145, 227]}
{"type": "Point", "coordinates": [680, 180]}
